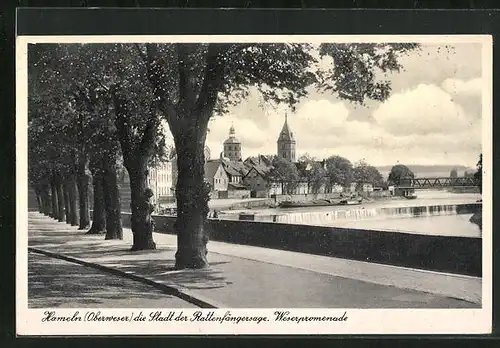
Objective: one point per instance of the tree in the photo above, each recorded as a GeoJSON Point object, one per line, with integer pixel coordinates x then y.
{"type": "Point", "coordinates": [209, 77]}
{"type": "Point", "coordinates": [286, 173]}
{"type": "Point", "coordinates": [50, 117]}
{"type": "Point", "coordinates": [365, 173]}
{"type": "Point", "coordinates": [453, 173]}
{"type": "Point", "coordinates": [206, 79]}
{"type": "Point", "coordinates": [137, 119]}
{"type": "Point", "coordinates": [189, 83]}
{"type": "Point", "coordinates": [339, 171]}
{"type": "Point", "coordinates": [478, 175]}
{"type": "Point", "coordinates": [399, 173]}
{"type": "Point", "coordinates": [314, 172]}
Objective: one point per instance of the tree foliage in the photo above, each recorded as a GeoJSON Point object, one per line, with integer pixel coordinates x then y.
{"type": "Point", "coordinates": [358, 69]}
{"type": "Point", "coordinates": [478, 175]}
{"type": "Point", "coordinates": [315, 173]}
{"type": "Point", "coordinates": [285, 172]}
{"type": "Point", "coordinates": [365, 173]}
{"type": "Point", "coordinates": [339, 171]}
{"type": "Point", "coordinates": [398, 173]}
{"type": "Point", "coordinates": [122, 91]}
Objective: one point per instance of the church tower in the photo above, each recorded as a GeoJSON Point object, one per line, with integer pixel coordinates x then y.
{"type": "Point", "coordinates": [286, 143]}
{"type": "Point", "coordinates": [232, 146]}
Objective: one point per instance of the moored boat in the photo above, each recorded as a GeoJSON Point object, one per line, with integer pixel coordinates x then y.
{"type": "Point", "coordinates": [319, 203]}
{"type": "Point", "coordinates": [411, 196]}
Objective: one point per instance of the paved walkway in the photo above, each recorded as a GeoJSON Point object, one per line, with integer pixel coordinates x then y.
{"type": "Point", "coordinates": [253, 277]}
{"type": "Point", "coordinates": [56, 283]}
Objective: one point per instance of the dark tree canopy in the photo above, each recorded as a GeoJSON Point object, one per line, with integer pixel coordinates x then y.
{"type": "Point", "coordinates": [121, 92]}
{"type": "Point", "coordinates": [478, 175]}
{"type": "Point", "coordinates": [400, 172]}
{"type": "Point", "coordinates": [365, 173]}
{"type": "Point", "coordinates": [359, 69]}
{"type": "Point", "coordinates": [286, 173]}
{"type": "Point", "coordinates": [314, 172]}
{"type": "Point", "coordinates": [339, 170]}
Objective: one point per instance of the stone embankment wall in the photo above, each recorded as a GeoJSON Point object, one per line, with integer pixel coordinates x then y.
{"type": "Point", "coordinates": [438, 253]}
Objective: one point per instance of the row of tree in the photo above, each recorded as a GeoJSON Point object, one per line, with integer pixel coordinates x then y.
{"type": "Point", "coordinates": [96, 107]}
{"type": "Point", "coordinates": [335, 170]}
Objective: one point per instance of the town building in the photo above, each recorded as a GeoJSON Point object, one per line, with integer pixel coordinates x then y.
{"type": "Point", "coordinates": [230, 177]}
{"type": "Point", "coordinates": [160, 182]}
{"type": "Point", "coordinates": [216, 176]}
{"type": "Point", "coordinates": [232, 146]}
{"type": "Point", "coordinates": [286, 143]}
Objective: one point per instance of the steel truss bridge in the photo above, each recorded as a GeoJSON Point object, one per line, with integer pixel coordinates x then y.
{"type": "Point", "coordinates": [425, 183]}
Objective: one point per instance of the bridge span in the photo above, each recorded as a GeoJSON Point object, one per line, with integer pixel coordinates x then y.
{"type": "Point", "coordinates": [426, 183]}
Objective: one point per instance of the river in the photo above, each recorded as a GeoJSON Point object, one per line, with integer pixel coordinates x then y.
{"type": "Point", "coordinates": [432, 213]}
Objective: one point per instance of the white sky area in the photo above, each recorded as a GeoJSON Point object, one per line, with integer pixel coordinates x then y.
{"type": "Point", "coordinates": [433, 116]}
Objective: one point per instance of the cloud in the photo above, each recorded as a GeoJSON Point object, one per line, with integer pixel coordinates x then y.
{"type": "Point", "coordinates": [432, 117]}
{"type": "Point", "coordinates": [425, 109]}
{"type": "Point", "coordinates": [454, 86]}
{"type": "Point", "coordinates": [422, 125]}
{"type": "Point", "coordinates": [467, 93]}
{"type": "Point", "coordinates": [435, 63]}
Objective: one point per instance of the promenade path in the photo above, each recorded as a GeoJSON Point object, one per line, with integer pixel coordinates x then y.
{"type": "Point", "coordinates": [56, 283]}
{"type": "Point", "coordinates": [252, 277]}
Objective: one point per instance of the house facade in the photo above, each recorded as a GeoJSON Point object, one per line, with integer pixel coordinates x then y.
{"type": "Point", "coordinates": [160, 179]}
{"type": "Point", "coordinates": [258, 183]}
{"type": "Point", "coordinates": [363, 187]}
{"type": "Point", "coordinates": [216, 176]}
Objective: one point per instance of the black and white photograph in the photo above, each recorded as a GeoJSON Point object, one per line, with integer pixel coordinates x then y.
{"type": "Point", "coordinates": [254, 184]}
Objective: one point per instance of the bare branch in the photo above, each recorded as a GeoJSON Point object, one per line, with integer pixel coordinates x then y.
{"type": "Point", "coordinates": [100, 84]}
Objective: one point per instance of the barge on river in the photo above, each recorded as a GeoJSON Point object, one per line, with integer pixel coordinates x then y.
{"type": "Point", "coordinates": [320, 203]}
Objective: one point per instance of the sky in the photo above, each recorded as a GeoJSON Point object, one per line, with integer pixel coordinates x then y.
{"type": "Point", "coordinates": [433, 116]}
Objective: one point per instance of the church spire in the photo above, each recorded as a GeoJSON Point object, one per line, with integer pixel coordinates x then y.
{"type": "Point", "coordinates": [232, 146]}
{"type": "Point", "coordinates": [285, 133]}
{"type": "Point", "coordinates": [286, 142]}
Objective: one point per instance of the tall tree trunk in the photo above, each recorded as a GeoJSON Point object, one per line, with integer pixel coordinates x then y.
{"type": "Point", "coordinates": [46, 201]}
{"type": "Point", "coordinates": [53, 196]}
{"type": "Point", "coordinates": [141, 223]}
{"type": "Point", "coordinates": [192, 201]}
{"type": "Point", "coordinates": [39, 203]}
{"type": "Point", "coordinates": [72, 193]}
{"type": "Point", "coordinates": [42, 200]}
{"type": "Point", "coordinates": [37, 190]}
{"type": "Point", "coordinates": [83, 193]}
{"type": "Point", "coordinates": [98, 212]}
{"type": "Point", "coordinates": [66, 201]}
{"type": "Point", "coordinates": [60, 199]}
{"type": "Point", "coordinates": [111, 198]}
{"type": "Point", "coordinates": [136, 156]}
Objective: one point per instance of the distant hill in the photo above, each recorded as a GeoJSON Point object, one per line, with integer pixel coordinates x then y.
{"type": "Point", "coordinates": [438, 170]}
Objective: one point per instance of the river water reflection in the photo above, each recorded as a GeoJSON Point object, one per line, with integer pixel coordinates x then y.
{"type": "Point", "coordinates": [439, 218]}
{"type": "Point", "coordinates": [448, 225]}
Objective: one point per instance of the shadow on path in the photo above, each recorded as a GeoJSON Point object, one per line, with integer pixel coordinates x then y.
{"type": "Point", "coordinates": [56, 283]}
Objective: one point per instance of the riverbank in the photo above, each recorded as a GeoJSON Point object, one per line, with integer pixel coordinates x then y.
{"type": "Point", "coordinates": [451, 254]}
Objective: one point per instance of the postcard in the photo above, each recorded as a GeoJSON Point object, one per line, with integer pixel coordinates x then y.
{"type": "Point", "coordinates": [269, 184]}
